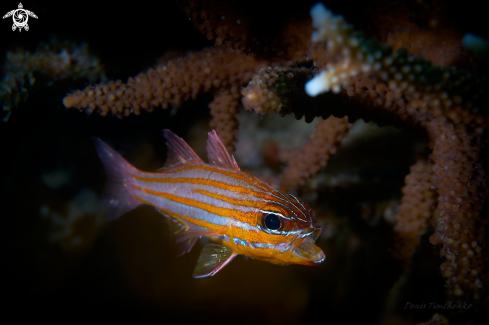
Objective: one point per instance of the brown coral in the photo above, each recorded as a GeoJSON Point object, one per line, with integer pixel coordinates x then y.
{"type": "Point", "coordinates": [462, 188]}
{"type": "Point", "coordinates": [170, 84]}
{"type": "Point", "coordinates": [217, 70]}
{"type": "Point", "coordinates": [429, 37]}
{"type": "Point", "coordinates": [446, 103]}
{"type": "Point", "coordinates": [49, 63]}
{"type": "Point", "coordinates": [457, 167]}
{"type": "Point", "coordinates": [417, 205]}
{"type": "Point", "coordinates": [220, 21]}
{"type": "Point", "coordinates": [269, 89]}
{"type": "Point", "coordinates": [224, 112]}
{"type": "Point", "coordinates": [240, 26]}
{"type": "Point", "coordinates": [322, 144]}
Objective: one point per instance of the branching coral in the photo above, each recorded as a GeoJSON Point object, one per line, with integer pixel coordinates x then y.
{"type": "Point", "coordinates": [417, 205]}
{"type": "Point", "coordinates": [322, 144]}
{"type": "Point", "coordinates": [77, 226]}
{"type": "Point", "coordinates": [451, 106]}
{"type": "Point", "coordinates": [425, 34]}
{"type": "Point", "coordinates": [221, 71]}
{"type": "Point", "coordinates": [240, 26]}
{"type": "Point", "coordinates": [25, 72]}
{"type": "Point", "coordinates": [423, 86]}
{"type": "Point", "coordinates": [218, 70]}
{"type": "Point", "coordinates": [270, 89]}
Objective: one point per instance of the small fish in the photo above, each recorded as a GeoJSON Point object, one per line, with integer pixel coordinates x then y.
{"type": "Point", "coordinates": [240, 213]}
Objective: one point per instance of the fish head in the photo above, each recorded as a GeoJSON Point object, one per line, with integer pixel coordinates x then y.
{"type": "Point", "coordinates": [289, 230]}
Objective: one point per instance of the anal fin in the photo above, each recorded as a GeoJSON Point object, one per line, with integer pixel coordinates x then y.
{"type": "Point", "coordinates": [212, 259]}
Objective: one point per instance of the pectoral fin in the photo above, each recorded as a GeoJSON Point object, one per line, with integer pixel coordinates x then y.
{"type": "Point", "coordinates": [182, 237]}
{"type": "Point", "coordinates": [181, 243]}
{"type": "Point", "coordinates": [212, 259]}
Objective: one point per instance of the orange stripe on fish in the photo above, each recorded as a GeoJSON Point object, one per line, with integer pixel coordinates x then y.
{"type": "Point", "coordinates": [248, 203]}
{"type": "Point", "coordinates": [211, 208]}
{"type": "Point", "coordinates": [240, 213]}
{"type": "Point", "coordinates": [221, 185]}
{"type": "Point", "coordinates": [184, 220]}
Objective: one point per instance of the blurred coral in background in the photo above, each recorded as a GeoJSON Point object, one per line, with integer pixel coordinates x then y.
{"type": "Point", "coordinates": [390, 151]}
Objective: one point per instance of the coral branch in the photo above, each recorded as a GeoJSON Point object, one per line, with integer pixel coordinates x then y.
{"type": "Point", "coordinates": [216, 70]}
{"type": "Point", "coordinates": [451, 106]}
{"type": "Point", "coordinates": [417, 205]}
{"type": "Point", "coordinates": [234, 25]}
{"type": "Point", "coordinates": [170, 84]}
{"type": "Point", "coordinates": [26, 72]}
{"type": "Point", "coordinates": [424, 87]}
{"type": "Point", "coordinates": [462, 208]}
{"type": "Point", "coordinates": [224, 112]}
{"type": "Point", "coordinates": [322, 144]}
{"type": "Point", "coordinates": [273, 89]}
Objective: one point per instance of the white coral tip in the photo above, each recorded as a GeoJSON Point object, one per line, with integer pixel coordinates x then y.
{"type": "Point", "coordinates": [319, 13]}
{"type": "Point", "coordinates": [316, 86]}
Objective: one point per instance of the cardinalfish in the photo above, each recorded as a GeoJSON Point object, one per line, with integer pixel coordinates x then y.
{"type": "Point", "coordinates": [240, 213]}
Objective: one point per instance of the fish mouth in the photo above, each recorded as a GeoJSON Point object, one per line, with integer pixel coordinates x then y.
{"type": "Point", "coordinates": [307, 252]}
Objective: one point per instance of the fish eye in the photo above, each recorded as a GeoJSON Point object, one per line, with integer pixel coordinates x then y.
{"type": "Point", "coordinates": [272, 221]}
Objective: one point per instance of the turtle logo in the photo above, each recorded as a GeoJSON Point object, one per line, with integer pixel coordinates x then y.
{"type": "Point", "coordinates": [20, 17]}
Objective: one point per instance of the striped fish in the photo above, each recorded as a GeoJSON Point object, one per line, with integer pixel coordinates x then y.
{"type": "Point", "coordinates": [240, 213]}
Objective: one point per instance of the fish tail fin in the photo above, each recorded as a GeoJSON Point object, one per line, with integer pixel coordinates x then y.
{"type": "Point", "coordinates": [119, 193]}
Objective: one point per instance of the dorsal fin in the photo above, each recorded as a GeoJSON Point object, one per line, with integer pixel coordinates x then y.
{"type": "Point", "coordinates": [179, 152]}
{"type": "Point", "coordinates": [218, 154]}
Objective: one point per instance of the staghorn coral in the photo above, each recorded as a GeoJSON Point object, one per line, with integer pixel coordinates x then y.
{"type": "Point", "coordinates": [421, 30]}
{"type": "Point", "coordinates": [422, 85]}
{"type": "Point", "coordinates": [448, 103]}
{"type": "Point", "coordinates": [416, 207]}
{"type": "Point", "coordinates": [227, 25]}
{"type": "Point", "coordinates": [75, 228]}
{"type": "Point", "coordinates": [221, 71]}
{"type": "Point", "coordinates": [462, 188]}
{"type": "Point", "coordinates": [239, 26]}
{"type": "Point", "coordinates": [25, 72]}
{"type": "Point", "coordinates": [322, 144]}
{"type": "Point", "coordinates": [269, 89]}
{"type": "Point", "coordinates": [451, 106]}
{"type": "Point", "coordinates": [224, 110]}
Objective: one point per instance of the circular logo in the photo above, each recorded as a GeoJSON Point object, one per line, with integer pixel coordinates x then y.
{"type": "Point", "coordinates": [20, 18]}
